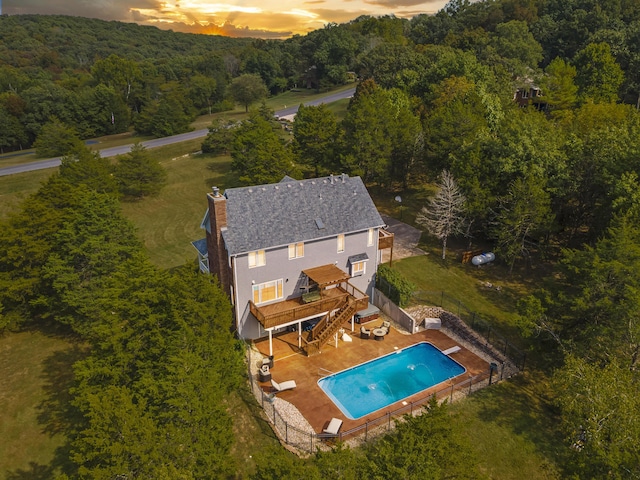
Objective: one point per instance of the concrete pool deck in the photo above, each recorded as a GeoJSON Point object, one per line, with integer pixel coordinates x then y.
{"type": "Point", "coordinates": [314, 404]}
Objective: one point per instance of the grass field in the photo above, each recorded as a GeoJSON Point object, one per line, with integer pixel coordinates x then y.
{"type": "Point", "coordinates": [36, 373]}
{"type": "Point", "coordinates": [168, 223]}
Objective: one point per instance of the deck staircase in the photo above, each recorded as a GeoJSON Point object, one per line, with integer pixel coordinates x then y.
{"type": "Point", "coordinates": [328, 326]}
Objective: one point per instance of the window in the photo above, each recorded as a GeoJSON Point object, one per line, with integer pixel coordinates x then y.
{"type": "Point", "coordinates": [358, 268]}
{"type": "Point", "coordinates": [370, 238]}
{"type": "Point", "coordinates": [358, 264]}
{"type": "Point", "coordinates": [296, 250]}
{"type": "Point", "coordinates": [267, 292]}
{"type": "Point", "coordinates": [257, 259]}
{"type": "Point", "coordinates": [340, 243]}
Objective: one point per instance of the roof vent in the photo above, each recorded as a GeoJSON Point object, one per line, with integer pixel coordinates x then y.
{"type": "Point", "coordinates": [344, 177]}
{"type": "Point", "coordinates": [331, 178]}
{"type": "Point", "coordinates": [319, 224]}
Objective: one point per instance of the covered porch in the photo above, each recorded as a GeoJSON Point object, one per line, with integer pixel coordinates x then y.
{"type": "Point", "coordinates": [327, 290]}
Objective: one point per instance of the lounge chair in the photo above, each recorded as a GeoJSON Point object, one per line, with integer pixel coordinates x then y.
{"type": "Point", "coordinates": [364, 333]}
{"type": "Point", "coordinates": [281, 387]}
{"type": "Point", "coordinates": [451, 350]}
{"type": "Point", "coordinates": [334, 426]}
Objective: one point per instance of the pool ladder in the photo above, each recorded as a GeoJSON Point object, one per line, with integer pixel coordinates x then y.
{"type": "Point", "coordinates": [323, 372]}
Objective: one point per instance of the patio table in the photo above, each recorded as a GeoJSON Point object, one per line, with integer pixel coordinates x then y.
{"type": "Point", "coordinates": [379, 333]}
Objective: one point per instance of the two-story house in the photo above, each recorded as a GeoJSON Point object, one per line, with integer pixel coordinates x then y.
{"type": "Point", "coordinates": [294, 254]}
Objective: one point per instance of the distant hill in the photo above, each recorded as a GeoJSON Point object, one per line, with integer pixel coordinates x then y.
{"type": "Point", "coordinates": [76, 42]}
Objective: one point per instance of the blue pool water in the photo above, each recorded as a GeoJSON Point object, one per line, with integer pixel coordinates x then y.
{"type": "Point", "coordinates": [373, 385]}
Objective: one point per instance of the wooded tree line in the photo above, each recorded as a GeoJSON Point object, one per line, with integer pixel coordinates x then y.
{"type": "Point", "coordinates": [149, 397]}
{"type": "Point", "coordinates": [105, 77]}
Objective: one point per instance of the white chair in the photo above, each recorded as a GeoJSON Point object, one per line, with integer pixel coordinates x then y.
{"type": "Point", "coordinates": [281, 387]}
{"type": "Point", "coordinates": [334, 426]}
{"type": "Point", "coordinates": [451, 350]}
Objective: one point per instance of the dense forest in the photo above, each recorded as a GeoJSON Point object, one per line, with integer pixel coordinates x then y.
{"type": "Point", "coordinates": [551, 179]}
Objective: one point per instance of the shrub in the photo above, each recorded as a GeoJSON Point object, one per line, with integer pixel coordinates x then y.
{"type": "Point", "coordinates": [394, 285]}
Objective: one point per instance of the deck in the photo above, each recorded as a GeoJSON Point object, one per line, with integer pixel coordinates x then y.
{"type": "Point", "coordinates": [292, 310]}
{"type": "Point", "coordinates": [291, 364]}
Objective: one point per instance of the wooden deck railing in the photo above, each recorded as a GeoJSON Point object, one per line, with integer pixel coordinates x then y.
{"type": "Point", "coordinates": [295, 313]}
{"type": "Point", "coordinates": [385, 239]}
{"type": "Point", "coordinates": [305, 310]}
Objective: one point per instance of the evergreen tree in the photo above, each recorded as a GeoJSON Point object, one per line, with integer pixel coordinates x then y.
{"type": "Point", "coordinates": [138, 174]}
{"type": "Point", "coordinates": [315, 133]}
{"type": "Point", "coordinates": [259, 154]}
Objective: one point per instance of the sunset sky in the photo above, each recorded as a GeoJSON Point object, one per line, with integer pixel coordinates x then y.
{"type": "Point", "coordinates": [238, 18]}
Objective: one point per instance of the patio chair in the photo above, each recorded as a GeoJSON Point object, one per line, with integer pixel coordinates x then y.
{"type": "Point", "coordinates": [386, 326]}
{"type": "Point", "coordinates": [334, 426]}
{"type": "Point", "coordinates": [451, 350]}
{"type": "Point", "coordinates": [281, 387]}
{"type": "Point", "coordinates": [364, 333]}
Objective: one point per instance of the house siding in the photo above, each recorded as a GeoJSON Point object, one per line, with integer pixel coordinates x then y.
{"type": "Point", "coordinates": [278, 266]}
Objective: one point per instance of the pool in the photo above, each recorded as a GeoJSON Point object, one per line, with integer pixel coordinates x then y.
{"type": "Point", "coordinates": [370, 386]}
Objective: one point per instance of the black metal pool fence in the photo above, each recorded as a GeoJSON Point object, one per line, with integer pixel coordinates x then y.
{"type": "Point", "coordinates": [460, 321]}
{"type": "Point", "coordinates": [310, 442]}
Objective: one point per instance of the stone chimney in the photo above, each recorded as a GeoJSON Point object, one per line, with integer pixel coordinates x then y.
{"type": "Point", "coordinates": [218, 258]}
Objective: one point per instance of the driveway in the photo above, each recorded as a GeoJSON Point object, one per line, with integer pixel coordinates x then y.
{"type": "Point", "coordinates": [405, 241]}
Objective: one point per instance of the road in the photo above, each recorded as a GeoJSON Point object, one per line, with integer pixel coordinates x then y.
{"type": "Point", "coordinates": [160, 142]}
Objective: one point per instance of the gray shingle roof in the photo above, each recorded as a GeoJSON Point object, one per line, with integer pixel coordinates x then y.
{"type": "Point", "coordinates": [358, 258]}
{"type": "Point", "coordinates": [265, 216]}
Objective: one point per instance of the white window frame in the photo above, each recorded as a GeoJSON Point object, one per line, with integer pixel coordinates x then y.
{"type": "Point", "coordinates": [341, 242]}
{"type": "Point", "coordinates": [358, 268]}
{"type": "Point", "coordinates": [261, 287]}
{"type": "Point", "coordinates": [296, 250]}
{"type": "Point", "coordinates": [370, 238]}
{"type": "Point", "coordinates": [257, 259]}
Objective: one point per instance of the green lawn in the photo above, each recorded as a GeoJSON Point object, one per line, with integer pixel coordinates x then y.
{"type": "Point", "coordinates": [15, 188]}
{"type": "Point", "coordinates": [168, 223]}
{"type": "Point", "coordinates": [513, 430]}
{"type": "Point", "coordinates": [36, 374]}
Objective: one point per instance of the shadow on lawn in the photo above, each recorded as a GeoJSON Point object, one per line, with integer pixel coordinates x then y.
{"type": "Point", "coordinates": [34, 472]}
{"type": "Point", "coordinates": [522, 406]}
{"type": "Point", "coordinates": [55, 413]}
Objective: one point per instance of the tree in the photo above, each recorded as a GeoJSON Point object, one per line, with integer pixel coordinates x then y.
{"type": "Point", "coordinates": [558, 86]}
{"type": "Point", "coordinates": [247, 89]}
{"type": "Point", "coordinates": [203, 91]}
{"type": "Point", "coordinates": [139, 174]}
{"type": "Point", "coordinates": [259, 154]}
{"type": "Point", "coordinates": [444, 215]}
{"type": "Point", "coordinates": [56, 139]}
{"type": "Point", "coordinates": [84, 167]}
{"type": "Point", "coordinates": [424, 446]}
{"type": "Point", "coordinates": [171, 114]}
{"type": "Point", "coordinates": [12, 134]}
{"type": "Point", "coordinates": [600, 406]}
{"type": "Point", "coordinates": [315, 133]}
{"type": "Point", "coordinates": [367, 137]}
{"type": "Point", "coordinates": [599, 76]}
{"type": "Point", "coordinates": [513, 40]}
{"type": "Point", "coordinates": [524, 212]}
{"type": "Point", "coordinates": [218, 140]}
{"type": "Point", "coordinates": [117, 72]}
